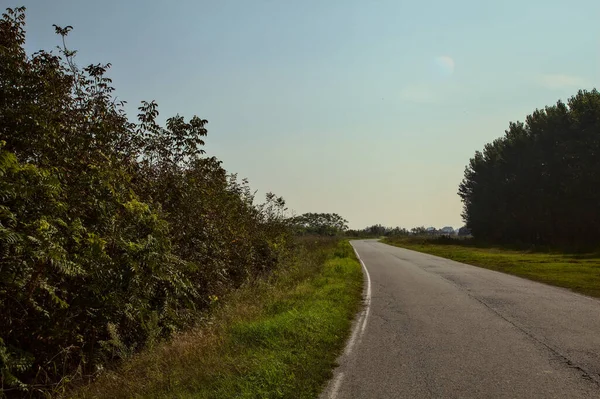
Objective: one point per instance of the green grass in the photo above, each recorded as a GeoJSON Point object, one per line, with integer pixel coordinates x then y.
{"type": "Point", "coordinates": [272, 339]}
{"type": "Point", "coordinates": [578, 272]}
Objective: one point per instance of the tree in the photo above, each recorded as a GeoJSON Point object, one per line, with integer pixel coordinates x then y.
{"type": "Point", "coordinates": [396, 231]}
{"type": "Point", "coordinates": [418, 231]}
{"type": "Point", "coordinates": [113, 234]}
{"type": "Point", "coordinates": [464, 231]}
{"type": "Point", "coordinates": [320, 223]}
{"type": "Point", "coordinates": [539, 183]}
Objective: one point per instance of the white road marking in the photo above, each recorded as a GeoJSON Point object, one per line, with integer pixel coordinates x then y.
{"type": "Point", "coordinates": [355, 333]}
{"type": "Point", "coordinates": [337, 382]}
{"type": "Point", "coordinates": [367, 297]}
{"type": "Point", "coordinates": [359, 328]}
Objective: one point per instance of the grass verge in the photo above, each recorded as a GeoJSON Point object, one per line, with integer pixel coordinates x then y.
{"type": "Point", "coordinates": [578, 272]}
{"type": "Point", "coordinates": [276, 338]}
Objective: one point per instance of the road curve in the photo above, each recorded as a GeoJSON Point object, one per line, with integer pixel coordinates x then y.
{"type": "Point", "coordinates": [442, 329]}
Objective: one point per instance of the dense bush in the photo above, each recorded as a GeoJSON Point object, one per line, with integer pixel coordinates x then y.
{"type": "Point", "coordinates": [113, 234]}
{"type": "Point", "coordinates": [540, 183]}
{"type": "Point", "coordinates": [323, 224]}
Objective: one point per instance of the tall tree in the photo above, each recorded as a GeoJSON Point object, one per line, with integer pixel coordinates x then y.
{"type": "Point", "coordinates": [539, 184]}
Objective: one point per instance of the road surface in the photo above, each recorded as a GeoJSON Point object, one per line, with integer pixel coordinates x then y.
{"type": "Point", "coordinates": [435, 328]}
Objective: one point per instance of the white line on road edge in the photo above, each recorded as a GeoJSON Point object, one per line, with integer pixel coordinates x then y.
{"type": "Point", "coordinates": [361, 323]}
{"type": "Point", "coordinates": [367, 297]}
{"type": "Point", "coordinates": [359, 328]}
{"type": "Point", "coordinates": [337, 382]}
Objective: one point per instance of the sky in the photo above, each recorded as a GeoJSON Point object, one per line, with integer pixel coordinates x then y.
{"type": "Point", "coordinates": [370, 109]}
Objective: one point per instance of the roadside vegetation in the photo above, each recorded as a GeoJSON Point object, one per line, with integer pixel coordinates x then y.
{"type": "Point", "coordinates": [119, 236]}
{"type": "Point", "coordinates": [579, 272]}
{"type": "Point", "coordinates": [376, 231]}
{"type": "Point", "coordinates": [275, 338]}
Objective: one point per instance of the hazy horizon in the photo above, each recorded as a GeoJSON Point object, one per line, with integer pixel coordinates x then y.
{"type": "Point", "coordinates": [367, 109]}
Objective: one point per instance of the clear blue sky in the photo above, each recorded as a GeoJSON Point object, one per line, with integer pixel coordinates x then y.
{"type": "Point", "coordinates": [370, 109]}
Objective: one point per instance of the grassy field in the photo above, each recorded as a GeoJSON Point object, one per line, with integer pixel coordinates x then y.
{"type": "Point", "coordinates": [578, 272]}
{"type": "Point", "coordinates": [272, 339]}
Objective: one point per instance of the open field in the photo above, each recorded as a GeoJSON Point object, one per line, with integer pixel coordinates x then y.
{"type": "Point", "coordinates": [578, 272]}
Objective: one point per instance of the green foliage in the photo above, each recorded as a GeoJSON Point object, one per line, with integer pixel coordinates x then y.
{"type": "Point", "coordinates": [377, 230]}
{"type": "Point", "coordinates": [539, 184]}
{"type": "Point", "coordinates": [327, 224]}
{"type": "Point", "coordinates": [275, 339]}
{"type": "Point", "coordinates": [113, 234]}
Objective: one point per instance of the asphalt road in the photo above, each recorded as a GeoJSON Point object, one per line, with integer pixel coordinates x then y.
{"type": "Point", "coordinates": [436, 328]}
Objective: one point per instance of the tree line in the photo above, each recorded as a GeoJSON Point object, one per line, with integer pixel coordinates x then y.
{"type": "Point", "coordinates": [378, 230]}
{"type": "Point", "coordinates": [539, 184]}
{"type": "Point", "coordinates": [326, 224]}
{"type": "Point", "coordinates": [113, 233]}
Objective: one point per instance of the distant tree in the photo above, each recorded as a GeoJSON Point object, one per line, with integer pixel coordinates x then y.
{"type": "Point", "coordinates": [446, 231]}
{"type": "Point", "coordinates": [328, 224]}
{"type": "Point", "coordinates": [432, 231]}
{"type": "Point", "coordinates": [417, 231]}
{"type": "Point", "coordinates": [464, 231]}
{"type": "Point", "coordinates": [396, 231]}
{"type": "Point", "coordinates": [376, 230]}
